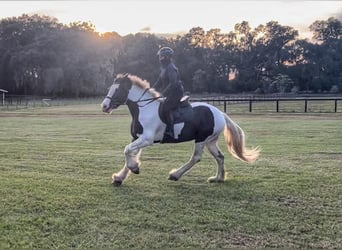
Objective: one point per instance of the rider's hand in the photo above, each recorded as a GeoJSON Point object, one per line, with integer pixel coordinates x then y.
{"type": "Point", "coordinates": [161, 99]}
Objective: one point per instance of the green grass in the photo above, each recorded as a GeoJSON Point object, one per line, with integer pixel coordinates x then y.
{"type": "Point", "coordinates": [56, 165]}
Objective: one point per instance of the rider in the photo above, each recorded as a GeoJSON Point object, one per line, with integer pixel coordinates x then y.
{"type": "Point", "coordinates": [170, 85]}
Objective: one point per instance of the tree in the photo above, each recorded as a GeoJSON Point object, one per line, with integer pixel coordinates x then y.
{"type": "Point", "coordinates": [326, 56]}
{"type": "Point", "coordinates": [43, 57]}
{"type": "Point", "coordinates": [40, 56]}
{"type": "Point", "coordinates": [199, 81]}
{"type": "Point", "coordinates": [324, 31]}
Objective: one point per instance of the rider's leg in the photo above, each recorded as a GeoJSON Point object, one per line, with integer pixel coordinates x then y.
{"type": "Point", "coordinates": [171, 103]}
{"type": "Point", "coordinates": [169, 131]}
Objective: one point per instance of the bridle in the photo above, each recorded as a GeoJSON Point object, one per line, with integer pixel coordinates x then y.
{"type": "Point", "coordinates": [148, 100]}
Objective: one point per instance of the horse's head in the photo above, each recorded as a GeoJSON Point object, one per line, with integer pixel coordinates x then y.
{"type": "Point", "coordinates": [117, 94]}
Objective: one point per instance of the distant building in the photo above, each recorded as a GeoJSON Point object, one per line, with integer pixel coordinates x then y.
{"type": "Point", "coordinates": [3, 95]}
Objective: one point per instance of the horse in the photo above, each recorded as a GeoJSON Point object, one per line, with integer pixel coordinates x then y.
{"type": "Point", "coordinates": [201, 123]}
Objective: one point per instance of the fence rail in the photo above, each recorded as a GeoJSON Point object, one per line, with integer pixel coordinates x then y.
{"type": "Point", "coordinates": [252, 100]}
{"type": "Point", "coordinates": [227, 103]}
{"type": "Point", "coordinates": [14, 102]}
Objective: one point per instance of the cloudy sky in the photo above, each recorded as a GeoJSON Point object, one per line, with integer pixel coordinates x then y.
{"type": "Point", "coordinates": [173, 16]}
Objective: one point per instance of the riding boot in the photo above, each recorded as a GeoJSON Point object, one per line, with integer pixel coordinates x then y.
{"type": "Point", "coordinates": [169, 125]}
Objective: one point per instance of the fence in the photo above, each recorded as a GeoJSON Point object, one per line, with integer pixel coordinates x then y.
{"type": "Point", "coordinates": [226, 101]}
{"type": "Point", "coordinates": [14, 102]}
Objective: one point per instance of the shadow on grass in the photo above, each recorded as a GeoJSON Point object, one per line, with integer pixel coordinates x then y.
{"type": "Point", "coordinates": [237, 189]}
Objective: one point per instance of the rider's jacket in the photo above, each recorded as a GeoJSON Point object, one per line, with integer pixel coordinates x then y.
{"type": "Point", "coordinates": [169, 83]}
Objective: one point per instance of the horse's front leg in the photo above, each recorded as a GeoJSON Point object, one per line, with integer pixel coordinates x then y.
{"type": "Point", "coordinates": [132, 162]}
{"type": "Point", "coordinates": [133, 151]}
{"type": "Point", "coordinates": [132, 159]}
{"type": "Point", "coordinates": [118, 178]}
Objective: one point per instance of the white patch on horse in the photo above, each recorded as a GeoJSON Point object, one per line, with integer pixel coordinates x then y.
{"type": "Point", "coordinates": [106, 102]}
{"type": "Point", "coordinates": [134, 94]}
{"type": "Point", "coordinates": [178, 129]}
{"type": "Point", "coordinates": [112, 89]}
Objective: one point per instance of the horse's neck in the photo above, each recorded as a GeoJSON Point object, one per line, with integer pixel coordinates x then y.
{"type": "Point", "coordinates": [143, 99]}
{"type": "Point", "coordinates": [136, 94]}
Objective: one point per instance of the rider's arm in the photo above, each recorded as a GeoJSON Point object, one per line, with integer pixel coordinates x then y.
{"type": "Point", "coordinates": [157, 84]}
{"type": "Point", "coordinates": [172, 74]}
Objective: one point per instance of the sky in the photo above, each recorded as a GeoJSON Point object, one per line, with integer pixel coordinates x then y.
{"type": "Point", "coordinates": [178, 16]}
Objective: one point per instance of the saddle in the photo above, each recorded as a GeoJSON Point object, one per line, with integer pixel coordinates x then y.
{"type": "Point", "coordinates": [181, 114]}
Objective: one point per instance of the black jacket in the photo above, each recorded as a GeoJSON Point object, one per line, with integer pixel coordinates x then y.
{"type": "Point", "coordinates": [169, 83]}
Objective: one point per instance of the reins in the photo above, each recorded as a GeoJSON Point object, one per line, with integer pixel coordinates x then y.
{"type": "Point", "coordinates": [148, 100]}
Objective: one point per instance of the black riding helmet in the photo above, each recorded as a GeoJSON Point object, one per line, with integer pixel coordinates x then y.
{"type": "Point", "coordinates": [165, 51]}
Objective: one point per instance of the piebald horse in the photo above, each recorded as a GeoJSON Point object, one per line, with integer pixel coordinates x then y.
{"type": "Point", "coordinates": [202, 123]}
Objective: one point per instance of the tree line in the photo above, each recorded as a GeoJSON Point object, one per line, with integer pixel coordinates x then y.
{"type": "Point", "coordinates": [41, 56]}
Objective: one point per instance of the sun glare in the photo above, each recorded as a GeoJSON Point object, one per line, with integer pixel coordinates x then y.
{"type": "Point", "coordinates": [132, 16]}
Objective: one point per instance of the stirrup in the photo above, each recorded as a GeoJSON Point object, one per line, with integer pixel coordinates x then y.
{"type": "Point", "coordinates": [185, 98]}
{"type": "Point", "coordinates": [166, 137]}
{"type": "Point", "coordinates": [169, 134]}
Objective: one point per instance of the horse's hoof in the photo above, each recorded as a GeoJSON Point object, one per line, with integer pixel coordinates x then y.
{"type": "Point", "coordinates": [215, 180]}
{"type": "Point", "coordinates": [172, 178]}
{"type": "Point", "coordinates": [116, 182]}
{"type": "Point", "coordinates": [135, 170]}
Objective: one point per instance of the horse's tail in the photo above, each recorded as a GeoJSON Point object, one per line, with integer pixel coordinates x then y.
{"type": "Point", "coordinates": [235, 138]}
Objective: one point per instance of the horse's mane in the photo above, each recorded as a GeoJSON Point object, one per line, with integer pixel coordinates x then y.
{"type": "Point", "coordinates": [144, 84]}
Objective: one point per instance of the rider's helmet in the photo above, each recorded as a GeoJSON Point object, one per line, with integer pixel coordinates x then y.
{"type": "Point", "coordinates": [165, 54]}
{"type": "Point", "coordinates": [165, 51]}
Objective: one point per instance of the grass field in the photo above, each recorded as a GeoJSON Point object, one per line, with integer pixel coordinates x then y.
{"type": "Point", "coordinates": [56, 165]}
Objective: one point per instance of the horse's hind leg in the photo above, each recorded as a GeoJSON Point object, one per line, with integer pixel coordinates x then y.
{"type": "Point", "coordinates": [176, 174]}
{"type": "Point", "coordinates": [219, 157]}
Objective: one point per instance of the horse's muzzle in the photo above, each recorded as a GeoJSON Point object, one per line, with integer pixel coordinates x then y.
{"type": "Point", "coordinates": [106, 107]}
{"type": "Point", "coordinates": [110, 107]}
